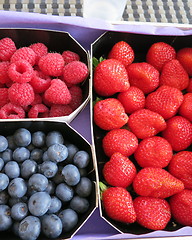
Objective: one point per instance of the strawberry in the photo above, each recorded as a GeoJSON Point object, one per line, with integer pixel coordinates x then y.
{"type": "Point", "coordinates": [144, 76]}
{"type": "Point", "coordinates": [109, 114]}
{"type": "Point", "coordinates": [181, 167]}
{"type": "Point", "coordinates": [189, 88]}
{"type": "Point", "coordinates": [118, 204]}
{"type": "Point", "coordinates": [156, 182]}
{"type": "Point", "coordinates": [123, 52]}
{"type": "Point", "coordinates": [119, 171]}
{"type": "Point", "coordinates": [152, 213]}
{"type": "Point", "coordinates": [153, 152]}
{"type": "Point", "coordinates": [159, 53]}
{"type": "Point", "coordinates": [165, 100]}
{"type": "Point", "coordinates": [185, 109]}
{"type": "Point", "coordinates": [133, 99]}
{"type": "Point", "coordinates": [178, 133]}
{"type": "Point", "coordinates": [119, 140]}
{"type": "Point", "coordinates": [184, 56]}
{"type": "Point", "coordinates": [145, 123]}
{"type": "Point", "coordinates": [174, 75]}
{"type": "Point", "coordinates": [181, 207]}
{"type": "Point", "coordinates": [110, 77]}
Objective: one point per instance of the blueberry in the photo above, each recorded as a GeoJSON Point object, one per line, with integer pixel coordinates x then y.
{"type": "Point", "coordinates": [64, 192]}
{"type": "Point", "coordinates": [38, 182]}
{"type": "Point", "coordinates": [4, 197]}
{"type": "Point", "coordinates": [50, 188]}
{"type": "Point", "coordinates": [39, 203]}
{"type": "Point", "coordinates": [3, 143]}
{"type": "Point", "coordinates": [55, 205]}
{"type": "Point", "coordinates": [84, 187]}
{"type": "Point", "coordinates": [51, 226]}
{"type": "Point", "coordinates": [15, 228]}
{"type": "Point", "coordinates": [11, 143]}
{"type": "Point", "coordinates": [57, 152]}
{"type": "Point", "coordinates": [49, 169]}
{"type": "Point", "coordinates": [5, 217]}
{"type": "Point", "coordinates": [28, 168]}
{"type": "Point", "coordinates": [45, 156]}
{"type": "Point", "coordinates": [38, 139]}
{"type": "Point", "coordinates": [7, 155]}
{"type": "Point", "coordinates": [19, 211]}
{"type": "Point", "coordinates": [69, 219]}
{"type": "Point", "coordinates": [12, 169]}
{"type": "Point", "coordinates": [4, 181]}
{"type": "Point", "coordinates": [72, 150]}
{"type": "Point", "coordinates": [79, 204]}
{"type": "Point", "coordinates": [21, 154]}
{"type": "Point", "coordinates": [29, 228]}
{"type": "Point", "coordinates": [1, 164]}
{"type": "Point", "coordinates": [22, 137]}
{"type": "Point", "coordinates": [54, 137]}
{"type": "Point", "coordinates": [81, 159]}
{"type": "Point", "coordinates": [59, 178]}
{"type": "Point", "coordinates": [14, 200]}
{"type": "Point", "coordinates": [17, 188]}
{"type": "Point", "coordinates": [71, 174]}
{"type": "Point", "coordinates": [36, 154]}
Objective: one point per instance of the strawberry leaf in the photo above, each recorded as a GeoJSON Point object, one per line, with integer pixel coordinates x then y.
{"type": "Point", "coordinates": [96, 100]}
{"type": "Point", "coordinates": [96, 61]}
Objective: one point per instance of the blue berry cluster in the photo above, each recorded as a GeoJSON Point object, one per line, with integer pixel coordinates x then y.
{"type": "Point", "coordinates": [44, 186]}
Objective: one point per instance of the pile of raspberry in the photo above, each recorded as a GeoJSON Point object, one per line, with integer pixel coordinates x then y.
{"type": "Point", "coordinates": [37, 83]}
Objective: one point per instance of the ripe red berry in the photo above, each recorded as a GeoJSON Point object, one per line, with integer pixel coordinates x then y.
{"type": "Point", "coordinates": [70, 56]}
{"type": "Point", "coordinates": [24, 53]}
{"type": "Point", "coordinates": [184, 55]}
{"type": "Point", "coordinates": [7, 48]}
{"type": "Point", "coordinates": [185, 109]}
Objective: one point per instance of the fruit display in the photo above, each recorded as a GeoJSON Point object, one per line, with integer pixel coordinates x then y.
{"type": "Point", "coordinates": [47, 180]}
{"type": "Point", "coordinates": [42, 76]}
{"type": "Point", "coordinates": [142, 130]}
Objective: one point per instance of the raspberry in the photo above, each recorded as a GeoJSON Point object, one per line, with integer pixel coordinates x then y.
{"type": "Point", "coordinates": [57, 93]}
{"type": "Point", "coordinates": [37, 99]}
{"type": "Point", "coordinates": [20, 71]}
{"type": "Point", "coordinates": [7, 48]}
{"type": "Point", "coordinates": [51, 64]}
{"type": "Point", "coordinates": [40, 82]}
{"type": "Point", "coordinates": [21, 94]}
{"type": "Point", "coordinates": [4, 78]}
{"type": "Point", "coordinates": [59, 110]}
{"type": "Point", "coordinates": [75, 72]}
{"type": "Point", "coordinates": [4, 99]}
{"type": "Point", "coordinates": [11, 111]}
{"type": "Point", "coordinates": [40, 50]}
{"type": "Point", "coordinates": [38, 111]}
{"type": "Point", "coordinates": [70, 56]}
{"type": "Point", "coordinates": [24, 53]}
{"type": "Point", "coordinates": [76, 97]}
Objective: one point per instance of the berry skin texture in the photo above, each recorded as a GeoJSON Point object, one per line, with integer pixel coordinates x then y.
{"type": "Point", "coordinates": [76, 97]}
{"type": "Point", "coordinates": [110, 77]}
{"type": "Point", "coordinates": [119, 171]}
{"type": "Point", "coordinates": [189, 88]}
{"type": "Point", "coordinates": [40, 82]}
{"type": "Point", "coordinates": [184, 56]}
{"type": "Point", "coordinates": [152, 213]}
{"type": "Point", "coordinates": [24, 53]}
{"type": "Point", "coordinates": [59, 110]}
{"type": "Point", "coordinates": [145, 123]}
{"type": "Point", "coordinates": [144, 76]}
{"type": "Point", "coordinates": [156, 182]}
{"type": "Point", "coordinates": [165, 100]}
{"type": "Point", "coordinates": [75, 72]}
{"type": "Point", "coordinates": [4, 98]}
{"type": "Point", "coordinates": [174, 75]}
{"type": "Point", "coordinates": [132, 100]}
{"type": "Point", "coordinates": [181, 207]}
{"type": "Point", "coordinates": [11, 111]}
{"type": "Point", "coordinates": [123, 52]}
{"type": "Point", "coordinates": [153, 152]}
{"type": "Point", "coordinates": [119, 140]}
{"type": "Point", "coordinates": [70, 56]}
{"type": "Point", "coordinates": [40, 50]}
{"type": "Point", "coordinates": [159, 53]}
{"type": "Point", "coordinates": [109, 114]}
{"type": "Point", "coordinates": [4, 66]}
{"type": "Point", "coordinates": [7, 49]}
{"type": "Point", "coordinates": [185, 109]}
{"type": "Point", "coordinates": [118, 204]}
{"type": "Point", "coordinates": [51, 64]}
{"type": "Point", "coordinates": [178, 133]}
{"type": "Point", "coordinates": [38, 110]}
{"type": "Point", "coordinates": [180, 166]}
{"type": "Point", "coordinates": [57, 93]}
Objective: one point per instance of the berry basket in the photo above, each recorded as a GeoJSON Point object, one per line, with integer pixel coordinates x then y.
{"type": "Point", "coordinates": [59, 49]}
{"type": "Point", "coordinates": [75, 143]}
{"type": "Point", "coordinates": [100, 49]}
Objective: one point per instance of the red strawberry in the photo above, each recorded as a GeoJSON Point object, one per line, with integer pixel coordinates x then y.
{"type": "Point", "coordinates": [185, 109]}
{"type": "Point", "coordinates": [181, 167]}
{"type": "Point", "coordinates": [153, 152]}
{"type": "Point", "coordinates": [159, 53]}
{"type": "Point", "coordinates": [123, 52]}
{"type": "Point", "coordinates": [118, 204]}
{"type": "Point", "coordinates": [181, 207]}
{"type": "Point", "coordinates": [119, 140]}
{"type": "Point", "coordinates": [189, 88]}
{"type": "Point", "coordinates": [133, 99]}
{"type": "Point", "coordinates": [152, 213]}
{"type": "Point", "coordinates": [174, 75]}
{"type": "Point", "coordinates": [184, 56]}
{"type": "Point", "coordinates": [156, 182]}
{"type": "Point", "coordinates": [109, 114]}
{"type": "Point", "coordinates": [178, 133]}
{"type": "Point", "coordinates": [165, 100]}
{"type": "Point", "coordinates": [144, 76]}
{"type": "Point", "coordinates": [110, 77]}
{"type": "Point", "coordinates": [145, 123]}
{"type": "Point", "coordinates": [119, 171]}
